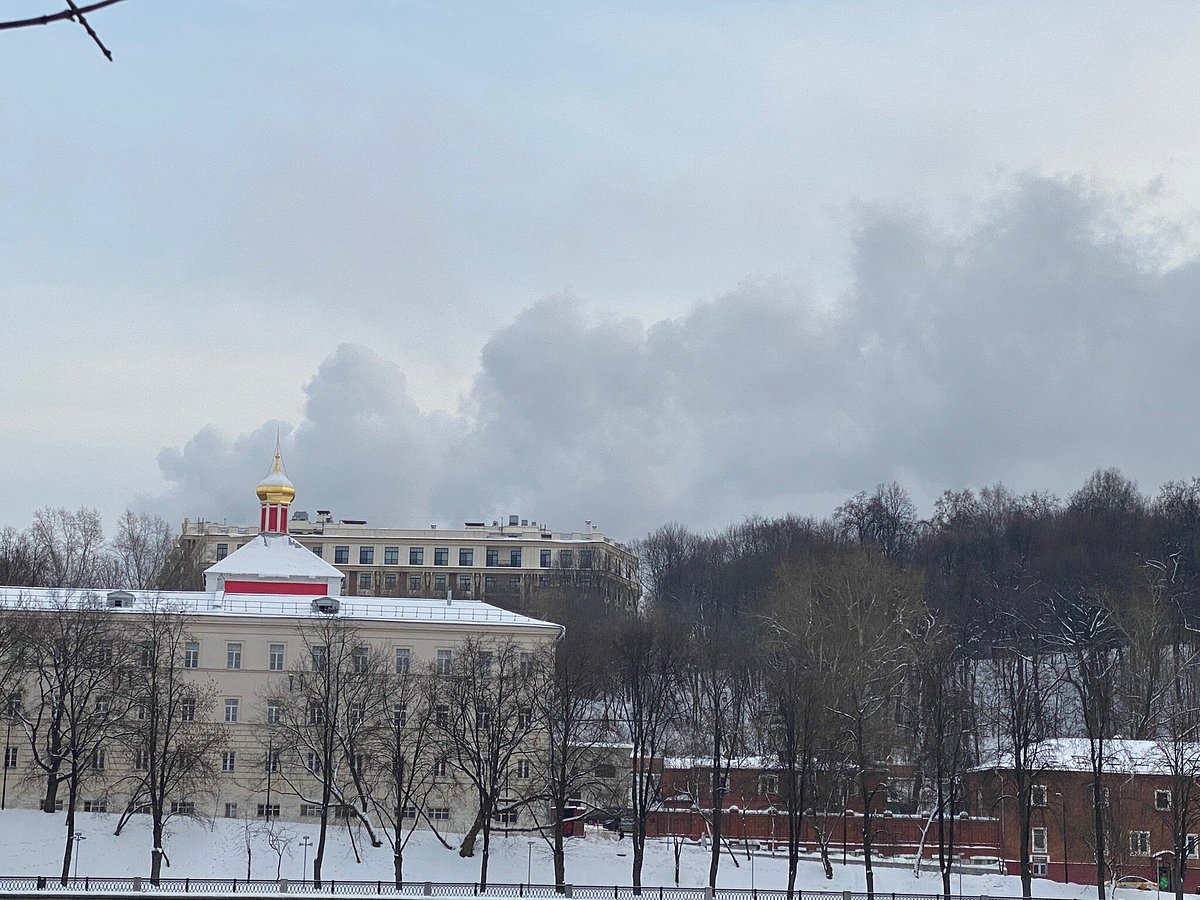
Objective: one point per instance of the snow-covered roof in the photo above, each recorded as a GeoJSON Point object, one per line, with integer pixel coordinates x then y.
{"type": "Point", "coordinates": [705, 762]}
{"type": "Point", "coordinates": [1121, 756]}
{"type": "Point", "coordinates": [274, 556]}
{"type": "Point", "coordinates": [219, 603]}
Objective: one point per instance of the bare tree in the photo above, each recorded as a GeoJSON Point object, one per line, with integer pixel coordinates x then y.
{"type": "Point", "coordinates": [871, 610]}
{"type": "Point", "coordinates": [647, 658]}
{"type": "Point", "coordinates": [71, 544]}
{"type": "Point", "coordinates": [485, 718]}
{"type": "Point", "coordinates": [795, 695]}
{"type": "Point", "coordinates": [142, 544]}
{"type": "Point", "coordinates": [1021, 683]}
{"type": "Point", "coordinates": [172, 736]}
{"type": "Point", "coordinates": [570, 726]}
{"type": "Point", "coordinates": [405, 749]}
{"type": "Point", "coordinates": [323, 716]}
{"type": "Point", "coordinates": [77, 659]}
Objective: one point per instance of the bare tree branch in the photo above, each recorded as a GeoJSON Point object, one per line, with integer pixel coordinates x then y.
{"type": "Point", "coordinates": [74, 12]}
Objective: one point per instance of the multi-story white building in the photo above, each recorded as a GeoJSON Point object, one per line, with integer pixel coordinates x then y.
{"type": "Point", "coordinates": [249, 632]}
{"type": "Point", "coordinates": [504, 562]}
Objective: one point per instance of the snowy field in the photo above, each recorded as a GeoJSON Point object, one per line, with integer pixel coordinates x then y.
{"type": "Point", "coordinates": [33, 845]}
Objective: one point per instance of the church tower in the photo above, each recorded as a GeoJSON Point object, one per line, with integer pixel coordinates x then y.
{"type": "Point", "coordinates": [275, 494]}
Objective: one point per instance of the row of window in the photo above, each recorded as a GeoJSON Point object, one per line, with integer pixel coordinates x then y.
{"type": "Point", "coordinates": [462, 583]}
{"type": "Point", "coordinates": [1139, 844]}
{"type": "Point", "coordinates": [1040, 796]}
{"type": "Point", "coordinates": [360, 660]}
{"type": "Point", "coordinates": [493, 556]}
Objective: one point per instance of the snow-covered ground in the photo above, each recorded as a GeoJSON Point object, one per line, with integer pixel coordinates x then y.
{"type": "Point", "coordinates": [33, 845]}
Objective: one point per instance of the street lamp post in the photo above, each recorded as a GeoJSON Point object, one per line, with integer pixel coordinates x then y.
{"type": "Point", "coordinates": [306, 843]}
{"type": "Point", "coordinates": [270, 769]}
{"type": "Point", "coordinates": [7, 751]}
{"type": "Point", "coordinates": [77, 837]}
{"type": "Point", "coordinates": [1062, 809]}
{"type": "Point", "coordinates": [529, 864]}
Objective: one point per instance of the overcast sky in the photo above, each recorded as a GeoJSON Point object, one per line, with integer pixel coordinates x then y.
{"type": "Point", "coordinates": [626, 262]}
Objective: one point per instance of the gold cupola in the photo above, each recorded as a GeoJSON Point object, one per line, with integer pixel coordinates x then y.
{"type": "Point", "coordinates": [275, 494]}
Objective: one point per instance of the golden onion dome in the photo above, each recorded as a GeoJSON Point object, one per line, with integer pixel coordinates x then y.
{"type": "Point", "coordinates": [276, 487]}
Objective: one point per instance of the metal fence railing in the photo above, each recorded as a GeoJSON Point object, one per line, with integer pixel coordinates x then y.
{"type": "Point", "coordinates": [18, 886]}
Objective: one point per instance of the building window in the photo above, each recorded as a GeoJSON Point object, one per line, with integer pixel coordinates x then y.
{"type": "Point", "coordinates": [414, 583]}
{"type": "Point", "coordinates": [1191, 845]}
{"type": "Point", "coordinates": [493, 556]}
{"type": "Point", "coordinates": [403, 660]}
{"type": "Point", "coordinates": [489, 581]}
{"type": "Point", "coordinates": [228, 760]}
{"type": "Point", "coordinates": [439, 583]}
{"type": "Point", "coordinates": [416, 556]}
{"type": "Point", "coordinates": [364, 581]}
{"type": "Point", "coordinates": [1139, 843]}
{"type": "Point", "coordinates": [1039, 865]}
{"type": "Point", "coordinates": [191, 655]}
{"type": "Point", "coordinates": [399, 716]}
{"type": "Point", "coordinates": [391, 556]}
{"type": "Point", "coordinates": [441, 556]}
{"type": "Point", "coordinates": [231, 709]}
{"type": "Point", "coordinates": [98, 758]}
{"type": "Point", "coordinates": [358, 713]}
{"type": "Point", "coordinates": [544, 559]}
{"type": "Point", "coordinates": [466, 556]}
{"type": "Point", "coordinates": [606, 770]}
{"type": "Point", "coordinates": [341, 554]}
{"type": "Point", "coordinates": [316, 714]}
{"type": "Point", "coordinates": [514, 559]}
{"type": "Point", "coordinates": [585, 559]}
{"type": "Point", "coordinates": [183, 807]}
{"type": "Point", "coordinates": [275, 657]}
{"type": "Point", "coordinates": [440, 768]}
{"type": "Point", "coordinates": [231, 810]}
{"type": "Point", "coordinates": [360, 660]}
{"type": "Point", "coordinates": [222, 551]}
{"type": "Point", "coordinates": [445, 659]}
{"type": "Point", "coordinates": [313, 762]}
{"type": "Point", "coordinates": [187, 710]}
{"type": "Point", "coordinates": [271, 761]}
{"type": "Point", "coordinates": [10, 757]}
{"type": "Point", "coordinates": [440, 813]}
{"type": "Point", "coordinates": [1103, 799]}
{"type": "Point", "coordinates": [525, 718]}
{"type": "Point", "coordinates": [505, 816]}
{"type": "Point", "coordinates": [523, 768]}
{"type": "Point", "coordinates": [268, 811]}
{"type": "Point", "coordinates": [104, 654]}
{"type": "Point", "coordinates": [1037, 795]}
{"type": "Point", "coordinates": [274, 712]}
{"type": "Point", "coordinates": [316, 549]}
{"type": "Point", "coordinates": [141, 760]}
{"type": "Point", "coordinates": [1037, 840]}
{"type": "Point", "coordinates": [390, 580]}
{"type": "Point", "coordinates": [233, 656]}
{"type": "Point", "coordinates": [408, 812]}
{"type": "Point", "coordinates": [528, 664]}
{"type": "Point", "coordinates": [464, 584]}
{"type": "Point", "coordinates": [769, 784]}
{"type": "Point", "coordinates": [366, 556]}
{"type": "Point", "coordinates": [95, 806]}
{"type": "Point", "coordinates": [310, 810]}
{"type": "Point", "coordinates": [103, 704]}
{"type": "Point", "coordinates": [318, 657]}
{"type": "Point", "coordinates": [1162, 800]}
{"type": "Point", "coordinates": [441, 715]}
{"type": "Point", "coordinates": [514, 582]}
{"type": "Point", "coordinates": [566, 558]}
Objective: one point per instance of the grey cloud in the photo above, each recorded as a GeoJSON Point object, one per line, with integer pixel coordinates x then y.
{"type": "Point", "coordinates": [1031, 346]}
